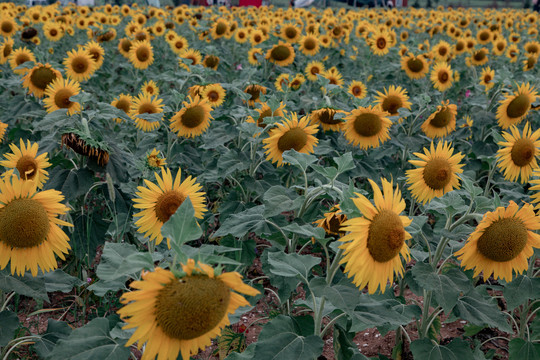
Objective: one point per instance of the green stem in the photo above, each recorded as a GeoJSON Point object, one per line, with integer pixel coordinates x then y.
{"type": "Point", "coordinates": [422, 333]}
{"type": "Point", "coordinates": [490, 177]}
{"type": "Point", "coordinates": [334, 267]}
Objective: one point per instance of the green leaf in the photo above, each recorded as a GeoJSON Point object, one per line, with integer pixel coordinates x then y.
{"type": "Point", "coordinates": [520, 349]}
{"type": "Point", "coordinates": [301, 160]}
{"type": "Point", "coordinates": [119, 260]}
{"type": "Point", "coordinates": [92, 341]}
{"type": "Point", "coordinates": [56, 330]}
{"type": "Point", "coordinates": [344, 348]}
{"type": "Point", "coordinates": [9, 322]}
{"type": "Point", "coordinates": [426, 349]}
{"type": "Point", "coordinates": [306, 231]}
{"type": "Point", "coordinates": [278, 199]}
{"type": "Point", "coordinates": [344, 162]}
{"type": "Point", "coordinates": [23, 285]}
{"type": "Point", "coordinates": [481, 310]}
{"type": "Point", "coordinates": [238, 225]}
{"type": "Point", "coordinates": [58, 280]}
{"type": "Point", "coordinates": [182, 226]}
{"type": "Point", "coordinates": [329, 172]}
{"type": "Point", "coordinates": [291, 265]}
{"type": "Point", "coordinates": [520, 290]}
{"type": "Point", "coordinates": [72, 183]}
{"type": "Point", "coordinates": [89, 232]}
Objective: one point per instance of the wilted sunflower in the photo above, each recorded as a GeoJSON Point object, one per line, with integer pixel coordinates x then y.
{"type": "Point", "coordinates": [502, 242]}
{"type": "Point", "coordinates": [442, 122]}
{"type": "Point", "coordinates": [79, 64]}
{"type": "Point", "coordinates": [309, 45]}
{"type": "Point", "coordinates": [486, 78]}
{"type": "Point", "coordinates": [155, 160]}
{"type": "Point", "coordinates": [57, 96]}
{"type": "Point", "coordinates": [158, 202]}
{"type": "Point", "coordinates": [97, 53]}
{"type": "Point", "coordinates": [416, 67]}
{"type": "Point", "coordinates": [214, 94]}
{"type": "Point", "coordinates": [367, 127]}
{"type": "Point", "coordinates": [39, 77]}
{"type": "Point", "coordinates": [150, 88]}
{"type": "Point", "coordinates": [314, 68]}
{"type": "Point", "coordinates": [375, 241]}
{"type": "Point", "coordinates": [193, 119]}
{"type": "Point", "coordinates": [515, 107]}
{"type": "Point", "coordinates": [357, 89]}
{"type": "Point", "coordinates": [3, 128]}
{"type": "Point", "coordinates": [174, 315]}
{"type": "Point", "coordinates": [325, 118]}
{"type": "Point", "coordinates": [83, 145]}
{"type": "Point", "coordinates": [281, 54]}
{"type": "Point", "coordinates": [435, 173]}
{"type": "Point", "coordinates": [255, 91]}
{"type": "Point", "coordinates": [141, 54]}
{"type": "Point", "coordinates": [442, 76]}
{"type": "Point", "coordinates": [518, 156]}
{"type": "Point", "coordinates": [122, 102]}
{"type": "Point", "coordinates": [30, 235]}
{"type": "Point", "coordinates": [332, 221]}
{"type": "Point", "coordinates": [393, 99]}
{"type": "Point", "coordinates": [18, 57]}
{"type": "Point", "coordinates": [211, 62]}
{"type": "Point", "coordinates": [146, 104]}
{"type": "Point", "coordinates": [29, 165]}
{"type": "Point", "coordinates": [290, 134]}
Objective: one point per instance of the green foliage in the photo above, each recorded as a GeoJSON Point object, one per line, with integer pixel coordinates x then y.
{"type": "Point", "coordinates": [9, 322]}
{"type": "Point", "coordinates": [457, 349]}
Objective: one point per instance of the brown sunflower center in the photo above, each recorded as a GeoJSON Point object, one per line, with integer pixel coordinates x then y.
{"type": "Point", "coordinates": [327, 117]}
{"type": "Point", "coordinates": [211, 61]}
{"type": "Point", "coordinates": [94, 53]}
{"type": "Point", "coordinates": [503, 240]}
{"type": "Point", "coordinates": [523, 152]}
{"type": "Point", "coordinates": [532, 49]}
{"type": "Point", "coordinates": [193, 116]}
{"type": "Point", "coordinates": [460, 46]}
{"type": "Point", "coordinates": [126, 45]}
{"type": "Point", "coordinates": [310, 44]}
{"type": "Point", "coordinates": [22, 58]}
{"type": "Point", "coordinates": [264, 114]}
{"type": "Point", "coordinates": [27, 167]}
{"type": "Point", "coordinates": [41, 77]}
{"type": "Point", "coordinates": [290, 33]}
{"type": "Point", "coordinates": [484, 36]}
{"type": "Point", "coordinates": [437, 173]}
{"type": "Point", "coordinates": [142, 53]}
{"type": "Point", "coordinates": [192, 306]}
{"type": "Point", "coordinates": [167, 204]}
{"type": "Point", "coordinates": [443, 76]}
{"type": "Point", "coordinates": [443, 51]}
{"type": "Point", "coordinates": [500, 46]}
{"type": "Point", "coordinates": [518, 106]}
{"type": "Point", "coordinates": [7, 49]}
{"type": "Point", "coordinates": [367, 124]}
{"type": "Point", "coordinates": [24, 223]}
{"type": "Point", "coordinates": [255, 93]}
{"type": "Point", "coordinates": [213, 96]}
{"type": "Point", "coordinates": [295, 138]}
{"type": "Point", "coordinates": [386, 236]}
{"type": "Point", "coordinates": [61, 98]}
{"type": "Point", "coordinates": [442, 118]}
{"type": "Point", "coordinates": [531, 61]}
{"type": "Point", "coordinates": [53, 32]}
{"type": "Point", "coordinates": [123, 105]}
{"type": "Point", "coordinates": [257, 38]}
{"type": "Point", "coordinates": [334, 224]}
{"type": "Point", "coordinates": [487, 78]}
{"type": "Point", "coordinates": [80, 64]}
{"type": "Point", "coordinates": [179, 44]}
{"type": "Point", "coordinates": [280, 53]}
{"type": "Point", "coordinates": [381, 43]}
{"type": "Point", "coordinates": [357, 90]}
{"type": "Point", "coordinates": [147, 108]}
{"type": "Point", "coordinates": [415, 65]}
{"type": "Point", "coordinates": [221, 28]}
{"type": "Point", "coordinates": [479, 55]}
{"type": "Point", "coordinates": [391, 104]}
{"type": "Point", "coordinates": [7, 27]}
{"type": "Point", "coordinates": [314, 70]}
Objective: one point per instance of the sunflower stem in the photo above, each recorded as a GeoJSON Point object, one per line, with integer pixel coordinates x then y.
{"type": "Point", "coordinates": [422, 333]}
{"type": "Point", "coordinates": [490, 177]}
{"type": "Point", "coordinates": [532, 261]}
{"type": "Point", "coordinates": [331, 323]}
{"type": "Point", "coordinates": [334, 267]}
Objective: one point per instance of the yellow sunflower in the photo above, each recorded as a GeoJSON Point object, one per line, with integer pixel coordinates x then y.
{"type": "Point", "coordinates": [190, 54]}
{"type": "Point", "coordinates": [193, 119]}
{"type": "Point", "coordinates": [416, 67]}
{"type": "Point", "coordinates": [150, 88]}
{"type": "Point", "coordinates": [486, 78]}
{"type": "Point", "coordinates": [79, 64]}
{"type": "Point", "coordinates": [281, 54]}
{"type": "Point", "coordinates": [97, 53]}
{"type": "Point", "coordinates": [122, 102]}
{"type": "Point", "coordinates": [53, 31]}
{"type": "Point", "coordinates": [502, 242]}
{"type": "Point", "coordinates": [211, 62]}
{"type": "Point", "coordinates": [29, 165]}
{"type": "Point", "coordinates": [174, 315]}
{"type": "Point", "coordinates": [18, 57]}
{"type": "Point", "coordinates": [367, 127]}
{"type": "Point", "coordinates": [264, 112]}
{"type": "Point", "coordinates": [39, 77]}
{"type": "Point", "coordinates": [380, 43]}
{"type": "Point", "coordinates": [124, 45]}
{"type": "Point", "coordinates": [325, 118]}
{"type": "Point", "coordinates": [519, 153]}
{"type": "Point", "coordinates": [512, 53]}
{"type": "Point", "coordinates": [178, 43]}
{"type": "Point", "coordinates": [314, 68]}
{"type": "Point", "coordinates": [393, 99]}
{"type": "Point", "coordinates": [292, 133]}
{"type": "Point", "coordinates": [478, 57]}
{"type": "Point", "coordinates": [515, 107]}
{"type": "Point", "coordinates": [30, 234]}
{"type": "Point", "coordinates": [159, 202]}
{"type": "Point", "coordinates": [309, 45]}
{"type": "Point", "coordinates": [442, 76]}
{"type": "Point", "coordinates": [375, 241]}
{"type": "Point", "coordinates": [435, 173]}
{"type": "Point", "coordinates": [154, 160]}
{"type": "Point", "coordinates": [254, 54]}
{"type": "Point", "coordinates": [282, 82]}
{"type": "Point", "coordinates": [3, 128]}
{"type": "Point", "coordinates": [333, 75]}
{"type": "Point", "coordinates": [141, 54]}
{"type": "Point", "coordinates": [214, 94]}
{"type": "Point", "coordinates": [290, 33]}
{"type": "Point", "coordinates": [442, 122]}
{"type": "Point", "coordinates": [57, 96]}
{"type": "Point", "coordinates": [8, 27]}
{"type": "Point", "coordinates": [255, 91]}
{"type": "Point", "coordinates": [332, 221]}
{"type": "Point", "coordinates": [6, 49]}
{"type": "Point", "coordinates": [530, 62]}
{"type": "Point", "coordinates": [146, 104]}
{"type": "Point", "coordinates": [357, 89]}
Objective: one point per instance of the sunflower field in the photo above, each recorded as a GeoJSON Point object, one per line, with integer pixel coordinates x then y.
{"type": "Point", "coordinates": [269, 183]}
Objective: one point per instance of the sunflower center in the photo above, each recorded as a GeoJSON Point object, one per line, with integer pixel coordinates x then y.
{"type": "Point", "coordinates": [391, 104]}
{"type": "Point", "coordinates": [295, 138]}
{"type": "Point", "coordinates": [254, 92]}
{"type": "Point", "coordinates": [221, 28]}
{"type": "Point", "coordinates": [142, 53]}
{"type": "Point", "coordinates": [212, 61]}
{"type": "Point", "coordinates": [42, 77]}
{"type": "Point", "coordinates": [487, 78]}
{"type": "Point", "coordinates": [484, 36]}
{"type": "Point", "coordinates": [61, 98]}
{"type": "Point", "coordinates": [95, 55]}
{"type": "Point", "coordinates": [290, 33]}
{"type": "Point", "coordinates": [523, 152]}
{"type": "Point", "coordinates": [437, 173]}
{"type": "Point", "coordinates": [79, 64]}
{"type": "Point", "coordinates": [310, 44]}
{"type": "Point", "coordinates": [386, 236]}
{"type": "Point", "coordinates": [193, 116]}
{"type": "Point", "coordinates": [213, 96]}
{"type": "Point", "coordinates": [357, 90]}
{"type": "Point", "coordinates": [327, 117]}
{"type": "Point", "coordinates": [519, 106]}
{"type": "Point", "coordinates": [479, 55]}
{"type": "Point", "coordinates": [367, 124]}
{"type": "Point", "coordinates": [22, 58]}
{"type": "Point", "coordinates": [442, 118]}
{"type": "Point", "coordinates": [53, 32]}
{"type": "Point", "coordinates": [7, 50]}
{"type": "Point", "coordinates": [27, 167]}
{"type": "Point", "coordinates": [334, 224]}
{"type": "Point", "coordinates": [443, 51]}
{"type": "Point", "coordinates": [280, 53]}
{"type": "Point", "coordinates": [381, 43]}
{"type": "Point", "coordinates": [167, 204]}
{"type": "Point", "coordinates": [264, 114]}
{"type": "Point", "coordinates": [500, 46]}
{"type": "Point", "coordinates": [126, 45]}
{"type": "Point", "coordinates": [415, 65]}
{"type": "Point", "coordinates": [503, 240]}
{"type": "Point", "coordinates": [460, 46]}
{"type": "Point", "coordinates": [179, 44]}
{"type": "Point", "coordinates": [147, 108]}
{"type": "Point", "coordinates": [443, 76]}
{"type": "Point", "coordinates": [192, 306]}
{"type": "Point", "coordinates": [123, 105]}
{"type": "Point", "coordinates": [24, 223]}
{"type": "Point", "coordinates": [7, 27]}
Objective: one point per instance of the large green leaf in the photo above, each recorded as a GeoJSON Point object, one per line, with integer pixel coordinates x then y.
{"type": "Point", "coordinates": [344, 348]}
{"type": "Point", "coordinates": [306, 231]}
{"type": "Point", "coordinates": [250, 220]}
{"type": "Point", "coordinates": [278, 199]}
{"type": "Point", "coordinates": [56, 330]}
{"type": "Point", "coordinates": [72, 183]}
{"type": "Point", "coordinates": [182, 227]}
{"type": "Point", "coordinates": [92, 341]}
{"type": "Point", "coordinates": [291, 265]}
{"type": "Point", "coordinates": [9, 322]}
{"type": "Point", "coordinates": [520, 290]}
{"type": "Point", "coordinates": [520, 349]}
{"type": "Point", "coordinates": [427, 349]}
{"type": "Point", "coordinates": [28, 285]}
{"type": "Point", "coordinates": [119, 260]}
{"type": "Point", "coordinates": [89, 232]}
{"type": "Point", "coordinates": [296, 158]}
{"type": "Point", "coordinates": [481, 309]}
{"type": "Point", "coordinates": [58, 280]}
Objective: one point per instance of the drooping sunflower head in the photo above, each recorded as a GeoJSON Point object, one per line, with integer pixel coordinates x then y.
{"type": "Point", "coordinates": [255, 92]}
{"type": "Point", "coordinates": [39, 77]}
{"type": "Point", "coordinates": [58, 94]}
{"type": "Point", "coordinates": [211, 62]}
{"type": "Point", "coordinates": [325, 117]}
{"type": "Point", "coordinates": [122, 102]}
{"type": "Point", "coordinates": [193, 119]}
{"type": "Point", "coordinates": [85, 145]}
{"type": "Point", "coordinates": [79, 64]}
{"type": "Point", "coordinates": [515, 107]}
{"type": "Point", "coordinates": [393, 99]}
{"type": "Point", "coordinates": [155, 160]}
{"type": "Point", "coordinates": [441, 122]}
{"type": "Point", "coordinates": [416, 67]}
{"type": "Point", "coordinates": [214, 94]}
{"type": "Point", "coordinates": [332, 221]}
{"type": "Point", "coordinates": [124, 45]}
{"type": "Point", "coordinates": [146, 104]}
{"type": "Point", "coordinates": [281, 54]}
{"type": "Point", "coordinates": [141, 54]}
{"type": "Point", "coordinates": [367, 127]}
{"type": "Point", "coordinates": [502, 242]}
{"type": "Point", "coordinates": [28, 163]}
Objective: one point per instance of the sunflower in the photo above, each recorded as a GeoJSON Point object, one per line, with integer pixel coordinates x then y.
{"type": "Point", "coordinates": [379, 43]}
{"type": "Point", "coordinates": [325, 118]}
{"type": "Point", "coordinates": [435, 173]}
{"type": "Point", "coordinates": [478, 57]}
{"type": "Point", "coordinates": [367, 127]}
{"type": "Point", "coordinates": [515, 107]}
{"type": "Point", "coordinates": [124, 45]}
{"type": "Point", "coordinates": [416, 67]}
{"type": "Point", "coordinates": [3, 128]}
{"type": "Point", "coordinates": [57, 95]}
{"type": "Point", "coordinates": [265, 111]}
{"type": "Point", "coordinates": [502, 242]}
{"type": "Point", "coordinates": [255, 91]}
{"type": "Point", "coordinates": [314, 68]}
{"type": "Point", "coordinates": [8, 27]}
{"type": "Point", "coordinates": [214, 94]}
{"type": "Point", "coordinates": [53, 31]}
{"type": "Point", "coordinates": [150, 88]}
{"type": "Point", "coordinates": [211, 62]}
{"type": "Point", "coordinates": [499, 46]}
{"type": "Point", "coordinates": [220, 28]}
{"type": "Point", "coordinates": [158, 202]}
{"type": "Point", "coordinates": [357, 89]}
{"type": "Point", "coordinates": [442, 122]}
{"type": "Point", "coordinates": [441, 76]}
{"type": "Point", "coordinates": [282, 82]}
{"type": "Point", "coordinates": [190, 54]}
{"type": "Point", "coordinates": [193, 119]}
{"type": "Point", "coordinates": [297, 81]}
{"type": "Point", "coordinates": [393, 99]}
{"type": "Point", "coordinates": [519, 153]}
{"type": "Point", "coordinates": [181, 314]}
{"type": "Point", "coordinates": [281, 54]}
{"type": "Point", "coordinates": [18, 57]}
{"type": "Point", "coordinates": [85, 145]}
{"type": "Point", "coordinates": [290, 134]}
{"type": "Point", "coordinates": [122, 102]}
{"type": "Point", "coordinates": [178, 44]}
{"type": "Point", "coordinates": [532, 47]}
{"type": "Point", "coordinates": [30, 235]}
{"type": "Point", "coordinates": [290, 33]}
{"type": "Point", "coordinates": [96, 53]}
{"type": "Point", "coordinates": [29, 165]}
{"type": "Point", "coordinates": [154, 160]}
{"type": "Point", "coordinates": [375, 240]}
{"type": "Point", "coordinates": [241, 36]}
{"type": "Point", "coordinates": [309, 45]}
{"type": "Point", "coordinates": [257, 37]}
{"type": "Point", "coordinates": [334, 76]}
{"type": "Point", "coordinates": [441, 51]}
{"type": "Point", "coordinates": [141, 54]}
{"type": "Point", "coordinates": [39, 77]}
{"type": "Point", "coordinates": [146, 104]}
{"type": "Point", "coordinates": [332, 221]}
{"type": "Point", "coordinates": [6, 49]}
{"type": "Point", "coordinates": [254, 54]}
{"type": "Point", "coordinates": [487, 77]}
{"type": "Point", "coordinates": [530, 62]}
{"type": "Point", "coordinates": [484, 36]}
{"type": "Point", "coordinates": [79, 64]}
